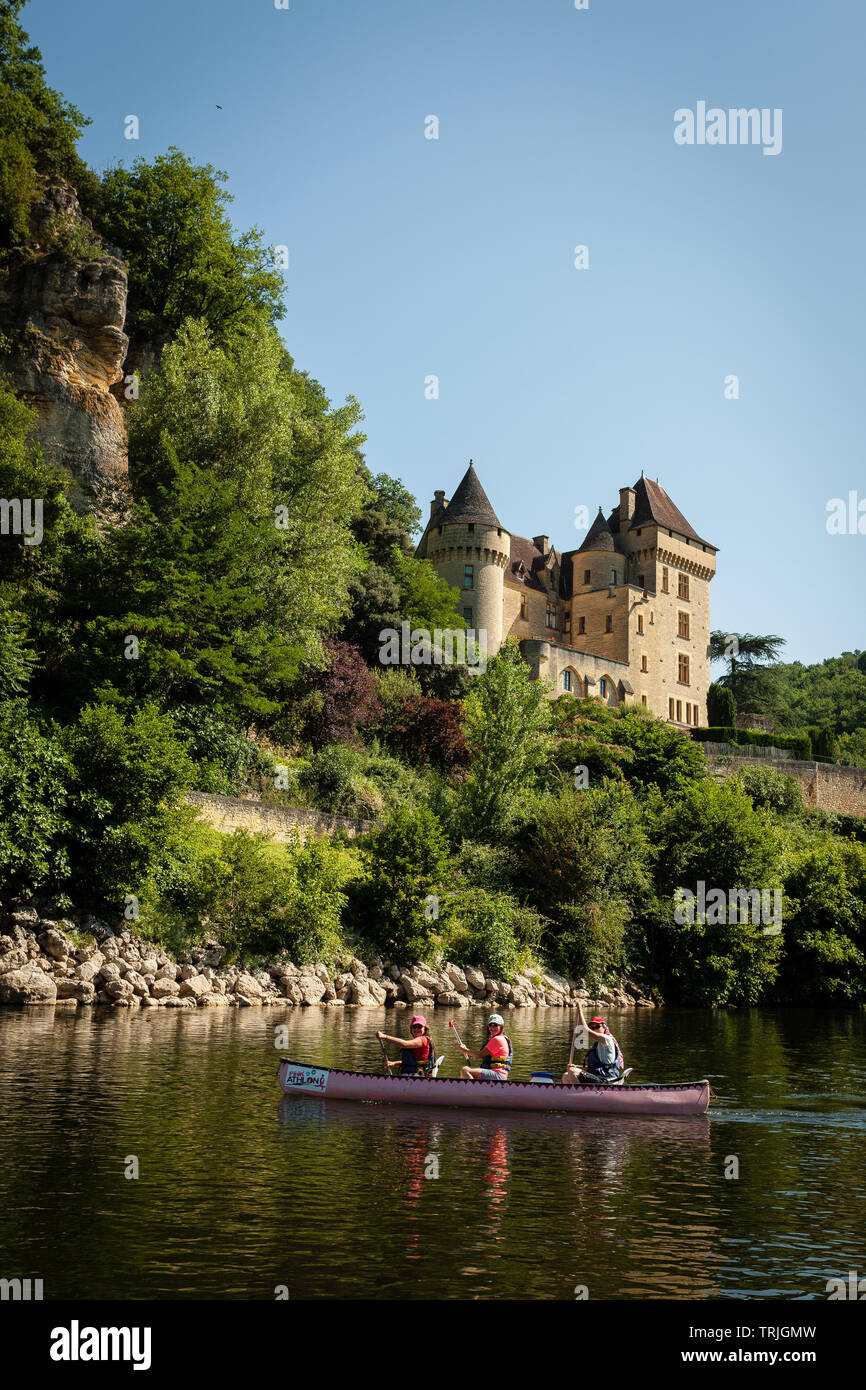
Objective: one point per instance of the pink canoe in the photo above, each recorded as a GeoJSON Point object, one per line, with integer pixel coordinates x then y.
{"type": "Point", "coordinates": [690, 1098]}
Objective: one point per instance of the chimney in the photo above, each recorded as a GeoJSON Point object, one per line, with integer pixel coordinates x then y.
{"type": "Point", "coordinates": [541, 543]}
{"type": "Point", "coordinates": [438, 501]}
{"type": "Point", "coordinates": [626, 506]}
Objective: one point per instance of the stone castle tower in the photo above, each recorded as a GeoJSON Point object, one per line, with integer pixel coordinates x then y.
{"type": "Point", "coordinates": [624, 617]}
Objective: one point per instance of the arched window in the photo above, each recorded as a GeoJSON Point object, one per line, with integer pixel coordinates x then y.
{"type": "Point", "coordinates": [566, 680]}
{"type": "Point", "coordinates": [613, 576]}
{"type": "Point", "coordinates": [602, 688]}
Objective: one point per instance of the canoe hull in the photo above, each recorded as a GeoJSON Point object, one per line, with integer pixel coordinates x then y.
{"type": "Point", "coordinates": [691, 1098]}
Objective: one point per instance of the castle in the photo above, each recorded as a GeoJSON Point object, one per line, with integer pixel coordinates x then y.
{"type": "Point", "coordinates": [624, 617]}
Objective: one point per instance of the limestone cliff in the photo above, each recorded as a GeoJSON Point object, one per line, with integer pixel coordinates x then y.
{"type": "Point", "coordinates": [63, 346]}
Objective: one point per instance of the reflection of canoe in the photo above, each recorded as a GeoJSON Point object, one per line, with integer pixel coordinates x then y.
{"type": "Point", "coordinates": [690, 1098]}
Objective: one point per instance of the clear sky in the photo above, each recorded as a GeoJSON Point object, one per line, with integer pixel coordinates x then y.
{"type": "Point", "coordinates": [455, 257]}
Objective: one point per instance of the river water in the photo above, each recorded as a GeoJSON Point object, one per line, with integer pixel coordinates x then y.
{"type": "Point", "coordinates": [240, 1191]}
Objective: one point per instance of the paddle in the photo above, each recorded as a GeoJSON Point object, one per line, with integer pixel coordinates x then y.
{"type": "Point", "coordinates": [385, 1055]}
{"type": "Point", "coordinates": [451, 1024]}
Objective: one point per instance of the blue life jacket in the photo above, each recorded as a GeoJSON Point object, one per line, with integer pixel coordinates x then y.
{"type": "Point", "coordinates": [609, 1071]}
{"type": "Point", "coordinates": [411, 1066]}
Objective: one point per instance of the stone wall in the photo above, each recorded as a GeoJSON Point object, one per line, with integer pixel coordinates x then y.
{"type": "Point", "coordinates": [824, 785]}
{"type": "Point", "coordinates": [229, 813]}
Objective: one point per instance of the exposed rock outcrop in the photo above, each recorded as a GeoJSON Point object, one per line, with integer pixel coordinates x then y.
{"type": "Point", "coordinates": [62, 315]}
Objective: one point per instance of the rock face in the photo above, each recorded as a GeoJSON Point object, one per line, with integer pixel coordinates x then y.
{"type": "Point", "coordinates": [64, 319]}
{"type": "Point", "coordinates": [28, 986]}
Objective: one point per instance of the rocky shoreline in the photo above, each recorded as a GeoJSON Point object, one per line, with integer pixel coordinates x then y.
{"type": "Point", "coordinates": [41, 963]}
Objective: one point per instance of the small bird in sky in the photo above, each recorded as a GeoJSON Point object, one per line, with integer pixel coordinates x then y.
{"type": "Point", "coordinates": [219, 108]}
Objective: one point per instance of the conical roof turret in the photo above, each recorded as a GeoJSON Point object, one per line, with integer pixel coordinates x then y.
{"type": "Point", "coordinates": [470, 502]}
{"type": "Point", "coordinates": [599, 536]}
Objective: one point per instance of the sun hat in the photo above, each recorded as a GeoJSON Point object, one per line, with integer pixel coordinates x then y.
{"type": "Point", "coordinates": [496, 1018]}
{"type": "Point", "coordinates": [419, 1018]}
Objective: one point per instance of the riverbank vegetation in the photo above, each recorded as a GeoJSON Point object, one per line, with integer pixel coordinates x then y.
{"type": "Point", "coordinates": [223, 636]}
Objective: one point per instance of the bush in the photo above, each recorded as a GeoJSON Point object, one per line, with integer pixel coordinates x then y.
{"type": "Point", "coordinates": [721, 706]}
{"type": "Point", "coordinates": [772, 789]}
{"type": "Point", "coordinates": [34, 776]}
{"type": "Point", "coordinates": [489, 929]}
{"type": "Point", "coordinates": [405, 863]}
{"type": "Point", "coordinates": [228, 761]}
{"type": "Point", "coordinates": [334, 781]}
{"type": "Point", "coordinates": [589, 942]}
{"type": "Point", "coordinates": [427, 730]}
{"type": "Point", "coordinates": [339, 700]}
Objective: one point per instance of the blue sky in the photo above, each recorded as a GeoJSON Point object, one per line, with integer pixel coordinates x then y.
{"type": "Point", "coordinates": [454, 257]}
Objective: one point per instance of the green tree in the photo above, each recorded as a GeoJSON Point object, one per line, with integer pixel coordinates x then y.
{"type": "Point", "coordinates": [749, 678]}
{"type": "Point", "coordinates": [38, 129]}
{"type": "Point", "coordinates": [721, 707]}
{"type": "Point", "coordinates": [507, 721]}
{"type": "Point", "coordinates": [405, 862]}
{"type": "Point", "coordinates": [185, 261]}
{"type": "Point", "coordinates": [34, 775]}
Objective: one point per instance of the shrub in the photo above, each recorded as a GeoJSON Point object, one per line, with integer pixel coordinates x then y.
{"type": "Point", "coordinates": [800, 745]}
{"type": "Point", "coordinates": [405, 863]}
{"type": "Point", "coordinates": [771, 789]}
{"type": "Point", "coordinates": [334, 780]}
{"type": "Point", "coordinates": [229, 761]}
{"type": "Point", "coordinates": [427, 730]}
{"type": "Point", "coordinates": [340, 699]}
{"type": "Point", "coordinates": [489, 929]}
{"type": "Point", "coordinates": [589, 941]}
{"type": "Point", "coordinates": [721, 706]}
{"type": "Point", "coordinates": [34, 776]}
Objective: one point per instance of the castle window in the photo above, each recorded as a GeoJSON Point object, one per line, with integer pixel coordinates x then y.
{"type": "Point", "coordinates": [683, 622]}
{"type": "Point", "coordinates": [566, 680]}
{"type": "Point", "coordinates": [679, 711]}
{"type": "Point", "coordinates": [670, 709]}
{"type": "Point", "coordinates": [652, 619]}
{"type": "Point", "coordinates": [643, 665]}
{"type": "Point", "coordinates": [682, 586]}
{"type": "Point", "coordinates": [467, 613]}
{"type": "Point", "coordinates": [551, 615]}
{"type": "Point", "coordinates": [689, 713]}
{"type": "Point", "coordinates": [640, 622]}
{"type": "Point", "coordinates": [637, 533]}
{"type": "Point", "coordinates": [694, 714]}
{"type": "Point", "coordinates": [581, 625]}
{"type": "Point", "coordinates": [602, 688]}
{"type": "Point", "coordinates": [683, 676]}
{"type": "Point", "coordinates": [468, 576]}
{"type": "Point", "coordinates": [567, 623]}
{"type": "Point", "coordinates": [613, 576]}
{"type": "Point", "coordinates": [643, 699]}
{"type": "Point", "coordinates": [523, 605]}
{"type": "Point", "coordinates": [608, 623]}
{"type": "Point", "coordinates": [471, 528]}
{"type": "Point", "coordinates": [587, 576]}
{"type": "Point", "coordinates": [641, 581]}
{"type": "Point", "coordinates": [664, 579]}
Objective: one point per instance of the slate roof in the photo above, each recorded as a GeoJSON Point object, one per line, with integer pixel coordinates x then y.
{"type": "Point", "coordinates": [652, 505]}
{"type": "Point", "coordinates": [526, 552]}
{"type": "Point", "coordinates": [469, 503]}
{"type": "Point", "coordinates": [599, 536]}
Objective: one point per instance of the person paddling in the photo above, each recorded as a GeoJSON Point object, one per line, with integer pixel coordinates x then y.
{"type": "Point", "coordinates": [418, 1055]}
{"type": "Point", "coordinates": [496, 1054]}
{"type": "Point", "coordinates": [604, 1061]}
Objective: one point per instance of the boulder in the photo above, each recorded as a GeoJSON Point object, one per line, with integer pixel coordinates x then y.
{"type": "Point", "coordinates": [54, 943]}
{"type": "Point", "coordinates": [474, 977]}
{"type": "Point", "coordinates": [211, 1000]}
{"type": "Point", "coordinates": [149, 965]}
{"type": "Point", "coordinates": [186, 972]}
{"type": "Point", "coordinates": [361, 995]}
{"type": "Point", "coordinates": [109, 971]}
{"type": "Point", "coordinates": [167, 972]}
{"type": "Point", "coordinates": [29, 985]}
{"type": "Point", "coordinates": [245, 1002]}
{"type": "Point", "coordinates": [148, 1003]}
{"type": "Point", "coordinates": [195, 987]}
{"type": "Point", "coordinates": [138, 983]}
{"type": "Point", "coordinates": [119, 989]}
{"type": "Point", "coordinates": [457, 977]}
{"type": "Point", "coordinates": [25, 917]}
{"type": "Point", "coordinates": [14, 960]}
{"type": "Point", "coordinates": [164, 988]}
{"type": "Point", "coordinates": [452, 1000]}
{"type": "Point", "coordinates": [82, 990]}
{"type": "Point", "coordinates": [247, 985]}
{"type": "Point", "coordinates": [358, 969]}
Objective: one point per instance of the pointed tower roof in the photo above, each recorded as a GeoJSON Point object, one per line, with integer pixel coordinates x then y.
{"type": "Point", "coordinates": [470, 502]}
{"type": "Point", "coordinates": [599, 536]}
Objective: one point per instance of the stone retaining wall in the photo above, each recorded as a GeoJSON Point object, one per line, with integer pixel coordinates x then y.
{"type": "Point", "coordinates": [229, 813]}
{"type": "Point", "coordinates": [827, 786]}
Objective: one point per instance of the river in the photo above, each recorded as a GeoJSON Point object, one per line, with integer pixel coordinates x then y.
{"type": "Point", "coordinates": [240, 1192]}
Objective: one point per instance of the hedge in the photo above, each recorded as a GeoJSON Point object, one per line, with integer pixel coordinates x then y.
{"type": "Point", "coordinates": [800, 745]}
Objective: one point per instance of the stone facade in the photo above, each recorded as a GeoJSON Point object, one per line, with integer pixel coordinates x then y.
{"type": "Point", "coordinates": [828, 786]}
{"type": "Point", "coordinates": [625, 617]}
{"type": "Point", "coordinates": [282, 823]}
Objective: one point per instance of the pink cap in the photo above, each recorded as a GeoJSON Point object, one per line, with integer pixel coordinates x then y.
{"type": "Point", "coordinates": [419, 1018]}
